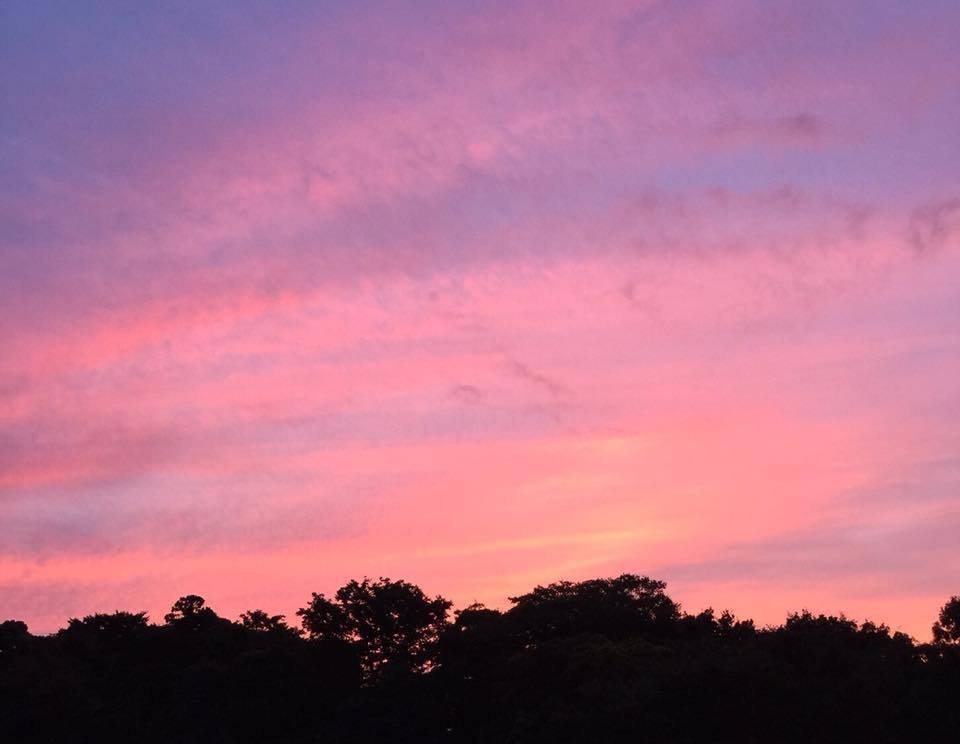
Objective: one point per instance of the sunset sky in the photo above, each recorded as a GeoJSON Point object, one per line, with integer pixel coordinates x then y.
{"type": "Point", "coordinates": [480, 295]}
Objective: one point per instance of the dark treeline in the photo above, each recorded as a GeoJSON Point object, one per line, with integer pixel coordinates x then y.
{"type": "Point", "coordinates": [608, 660]}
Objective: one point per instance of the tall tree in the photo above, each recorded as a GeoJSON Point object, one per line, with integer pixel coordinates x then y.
{"type": "Point", "coordinates": [393, 624]}
{"type": "Point", "coordinates": [947, 627]}
{"type": "Point", "coordinates": [190, 612]}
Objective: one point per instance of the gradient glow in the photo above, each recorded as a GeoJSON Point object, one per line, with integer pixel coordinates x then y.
{"type": "Point", "coordinates": [480, 295]}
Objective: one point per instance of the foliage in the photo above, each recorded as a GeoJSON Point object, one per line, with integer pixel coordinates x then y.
{"type": "Point", "coordinates": [393, 624]}
{"type": "Point", "coordinates": [947, 627]}
{"type": "Point", "coordinates": [606, 660]}
{"type": "Point", "coordinates": [617, 608]}
{"type": "Point", "coordinates": [266, 623]}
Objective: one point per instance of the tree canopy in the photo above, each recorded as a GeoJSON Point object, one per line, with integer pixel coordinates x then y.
{"type": "Point", "coordinates": [393, 624]}
{"type": "Point", "coordinates": [947, 627]}
{"type": "Point", "coordinates": [604, 660]}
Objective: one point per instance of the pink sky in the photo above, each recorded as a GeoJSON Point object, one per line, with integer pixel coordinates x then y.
{"type": "Point", "coordinates": [480, 296]}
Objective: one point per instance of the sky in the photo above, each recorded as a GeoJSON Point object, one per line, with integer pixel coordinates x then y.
{"type": "Point", "coordinates": [480, 295]}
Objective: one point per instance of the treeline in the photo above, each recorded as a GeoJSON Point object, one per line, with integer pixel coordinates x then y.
{"type": "Point", "coordinates": [607, 660]}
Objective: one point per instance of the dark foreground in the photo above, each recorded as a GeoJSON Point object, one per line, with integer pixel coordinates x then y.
{"type": "Point", "coordinates": [610, 660]}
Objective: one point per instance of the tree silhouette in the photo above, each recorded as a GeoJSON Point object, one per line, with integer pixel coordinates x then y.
{"type": "Point", "coordinates": [618, 608]}
{"type": "Point", "coordinates": [260, 621]}
{"type": "Point", "coordinates": [186, 607]}
{"type": "Point", "coordinates": [104, 632]}
{"type": "Point", "coordinates": [13, 633]}
{"type": "Point", "coordinates": [190, 613]}
{"type": "Point", "coordinates": [947, 627]}
{"type": "Point", "coordinates": [610, 660]}
{"type": "Point", "coordinates": [393, 624]}
{"type": "Point", "coordinates": [119, 624]}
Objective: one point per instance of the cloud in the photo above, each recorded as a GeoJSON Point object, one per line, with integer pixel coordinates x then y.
{"type": "Point", "coordinates": [934, 226]}
{"type": "Point", "coordinates": [802, 129]}
{"type": "Point", "coordinates": [42, 453]}
{"type": "Point", "coordinates": [468, 394]}
{"type": "Point", "coordinates": [538, 379]}
{"type": "Point", "coordinates": [865, 561]}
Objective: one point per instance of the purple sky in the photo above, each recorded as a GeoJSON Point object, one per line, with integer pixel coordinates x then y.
{"type": "Point", "coordinates": [480, 295]}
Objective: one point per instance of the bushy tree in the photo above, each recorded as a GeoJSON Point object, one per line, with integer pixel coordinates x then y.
{"type": "Point", "coordinates": [191, 613]}
{"type": "Point", "coordinates": [947, 627]}
{"type": "Point", "coordinates": [477, 640]}
{"type": "Point", "coordinates": [13, 633]}
{"type": "Point", "coordinates": [260, 621]}
{"type": "Point", "coordinates": [119, 624]}
{"type": "Point", "coordinates": [617, 608]}
{"type": "Point", "coordinates": [102, 631]}
{"type": "Point", "coordinates": [393, 624]}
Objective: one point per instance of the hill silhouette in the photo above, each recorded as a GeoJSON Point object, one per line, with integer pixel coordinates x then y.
{"type": "Point", "coordinates": [605, 660]}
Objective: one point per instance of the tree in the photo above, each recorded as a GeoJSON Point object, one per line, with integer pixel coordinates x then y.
{"type": "Point", "coordinates": [117, 626]}
{"type": "Point", "coordinates": [947, 627]}
{"type": "Point", "coordinates": [100, 633]}
{"type": "Point", "coordinates": [325, 619]}
{"type": "Point", "coordinates": [475, 644]}
{"type": "Point", "coordinates": [260, 621]}
{"type": "Point", "coordinates": [13, 633]}
{"type": "Point", "coordinates": [189, 612]}
{"type": "Point", "coordinates": [728, 626]}
{"type": "Point", "coordinates": [617, 608]}
{"type": "Point", "coordinates": [393, 624]}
